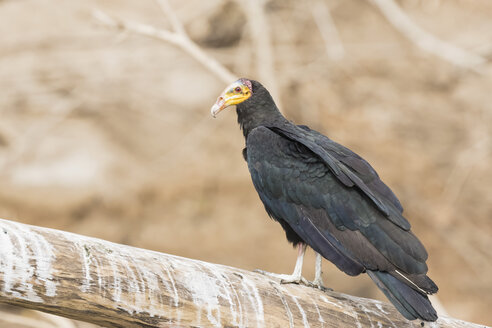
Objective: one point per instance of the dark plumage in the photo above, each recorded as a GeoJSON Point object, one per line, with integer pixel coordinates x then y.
{"type": "Point", "coordinates": [328, 197]}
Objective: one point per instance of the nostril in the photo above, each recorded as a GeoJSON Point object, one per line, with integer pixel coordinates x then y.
{"type": "Point", "coordinates": [220, 101]}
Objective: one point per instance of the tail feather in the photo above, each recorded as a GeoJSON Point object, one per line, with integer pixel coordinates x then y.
{"type": "Point", "coordinates": [419, 282]}
{"type": "Point", "coordinates": [411, 303]}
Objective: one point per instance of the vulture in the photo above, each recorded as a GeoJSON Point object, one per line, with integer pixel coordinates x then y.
{"type": "Point", "coordinates": [327, 197]}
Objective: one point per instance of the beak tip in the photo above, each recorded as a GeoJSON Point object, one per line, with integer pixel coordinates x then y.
{"type": "Point", "coordinates": [218, 106]}
{"type": "Point", "coordinates": [214, 110]}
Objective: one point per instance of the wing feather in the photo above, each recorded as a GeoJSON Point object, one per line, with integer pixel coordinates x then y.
{"type": "Point", "coordinates": [349, 168]}
{"type": "Point", "coordinates": [338, 221]}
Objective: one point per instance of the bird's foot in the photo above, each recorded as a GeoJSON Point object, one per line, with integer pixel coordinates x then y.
{"type": "Point", "coordinates": [286, 278]}
{"type": "Point", "coordinates": [291, 279]}
{"type": "Point", "coordinates": [318, 283]}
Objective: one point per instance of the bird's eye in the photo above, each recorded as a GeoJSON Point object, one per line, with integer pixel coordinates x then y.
{"type": "Point", "coordinates": [238, 89]}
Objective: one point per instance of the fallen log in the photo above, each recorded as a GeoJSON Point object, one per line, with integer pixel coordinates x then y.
{"type": "Point", "coordinates": [116, 285]}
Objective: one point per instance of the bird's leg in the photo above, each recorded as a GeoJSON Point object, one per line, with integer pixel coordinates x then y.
{"type": "Point", "coordinates": [318, 279]}
{"type": "Point", "coordinates": [295, 277]}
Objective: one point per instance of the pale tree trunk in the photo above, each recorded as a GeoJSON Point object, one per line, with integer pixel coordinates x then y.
{"type": "Point", "coordinates": [115, 285]}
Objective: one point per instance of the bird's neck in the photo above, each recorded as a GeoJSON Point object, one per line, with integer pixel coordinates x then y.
{"type": "Point", "coordinates": [258, 112]}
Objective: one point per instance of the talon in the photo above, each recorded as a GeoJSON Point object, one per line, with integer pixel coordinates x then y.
{"type": "Point", "coordinates": [319, 285]}
{"type": "Point", "coordinates": [304, 281]}
{"type": "Point", "coordinates": [323, 288]}
{"type": "Point", "coordinates": [297, 281]}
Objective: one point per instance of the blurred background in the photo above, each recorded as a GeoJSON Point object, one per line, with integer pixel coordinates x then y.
{"type": "Point", "coordinates": [107, 133]}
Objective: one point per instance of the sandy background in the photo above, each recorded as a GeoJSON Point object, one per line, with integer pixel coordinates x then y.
{"type": "Point", "coordinates": [109, 135]}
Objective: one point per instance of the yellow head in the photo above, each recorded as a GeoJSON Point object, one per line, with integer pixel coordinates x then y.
{"type": "Point", "coordinates": [234, 94]}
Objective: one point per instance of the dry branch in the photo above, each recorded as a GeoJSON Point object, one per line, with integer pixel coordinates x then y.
{"type": "Point", "coordinates": [177, 38]}
{"type": "Point", "coordinates": [121, 286]}
{"type": "Point", "coordinates": [328, 30]}
{"type": "Point", "coordinates": [425, 40]}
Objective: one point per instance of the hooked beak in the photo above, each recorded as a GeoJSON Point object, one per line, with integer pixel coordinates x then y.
{"type": "Point", "coordinates": [234, 94]}
{"type": "Point", "coordinates": [219, 105]}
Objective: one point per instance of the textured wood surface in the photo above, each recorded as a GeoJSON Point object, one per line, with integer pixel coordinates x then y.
{"type": "Point", "coordinates": [121, 286]}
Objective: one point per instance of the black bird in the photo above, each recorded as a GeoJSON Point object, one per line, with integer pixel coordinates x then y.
{"type": "Point", "coordinates": [326, 196]}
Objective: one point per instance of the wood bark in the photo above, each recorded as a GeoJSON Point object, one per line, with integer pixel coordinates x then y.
{"type": "Point", "coordinates": [116, 285]}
